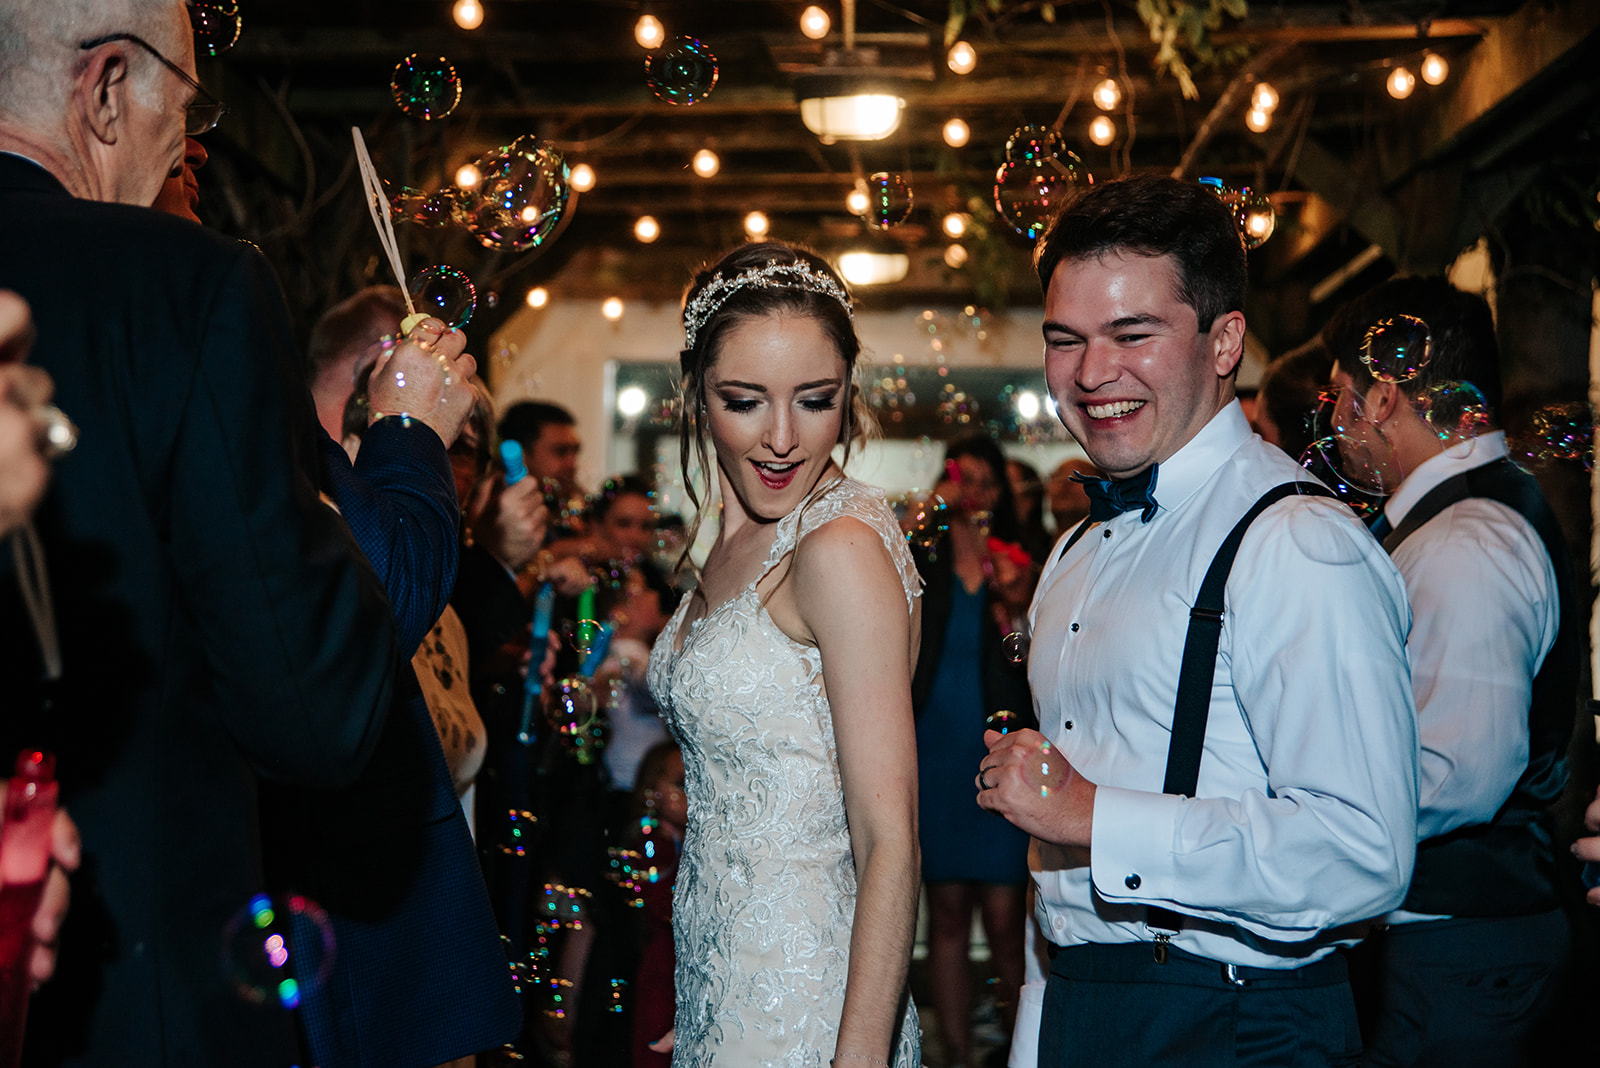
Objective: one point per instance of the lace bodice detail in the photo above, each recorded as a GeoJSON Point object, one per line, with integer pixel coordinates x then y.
{"type": "Point", "coordinates": [766, 884]}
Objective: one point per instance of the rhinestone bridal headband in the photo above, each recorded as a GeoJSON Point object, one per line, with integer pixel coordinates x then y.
{"type": "Point", "coordinates": [716, 292]}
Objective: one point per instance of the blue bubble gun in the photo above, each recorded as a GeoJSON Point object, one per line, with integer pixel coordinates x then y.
{"type": "Point", "coordinates": [597, 651]}
{"type": "Point", "coordinates": [511, 456]}
{"type": "Point", "coordinates": [544, 607]}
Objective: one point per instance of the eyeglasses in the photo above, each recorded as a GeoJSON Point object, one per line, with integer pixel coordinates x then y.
{"type": "Point", "coordinates": [204, 110]}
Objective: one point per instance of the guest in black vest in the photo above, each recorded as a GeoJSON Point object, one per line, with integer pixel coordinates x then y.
{"type": "Point", "coordinates": [1466, 969]}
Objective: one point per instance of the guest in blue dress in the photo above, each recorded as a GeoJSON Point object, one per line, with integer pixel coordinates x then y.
{"type": "Point", "coordinates": [978, 581]}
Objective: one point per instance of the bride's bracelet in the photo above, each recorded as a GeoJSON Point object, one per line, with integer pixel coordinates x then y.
{"type": "Point", "coordinates": [837, 1057]}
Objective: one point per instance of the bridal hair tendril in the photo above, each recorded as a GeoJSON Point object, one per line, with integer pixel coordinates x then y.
{"type": "Point", "coordinates": [715, 293]}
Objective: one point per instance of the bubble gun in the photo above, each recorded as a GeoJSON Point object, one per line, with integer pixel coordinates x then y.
{"type": "Point", "coordinates": [511, 456]}
{"type": "Point", "coordinates": [544, 607]}
{"type": "Point", "coordinates": [24, 860]}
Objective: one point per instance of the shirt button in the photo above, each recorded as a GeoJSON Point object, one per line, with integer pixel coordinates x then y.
{"type": "Point", "coordinates": [1074, 628]}
{"type": "Point", "coordinates": [1069, 724]}
{"type": "Point", "coordinates": [1107, 534]}
{"type": "Point", "coordinates": [1131, 882]}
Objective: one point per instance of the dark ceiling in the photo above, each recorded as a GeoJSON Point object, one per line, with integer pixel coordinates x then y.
{"type": "Point", "coordinates": [1342, 159]}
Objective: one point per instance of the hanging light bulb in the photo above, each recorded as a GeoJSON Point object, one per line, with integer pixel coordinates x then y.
{"type": "Point", "coordinates": [1107, 95]}
{"type": "Point", "coordinates": [815, 23]}
{"type": "Point", "coordinates": [706, 163]}
{"type": "Point", "coordinates": [646, 229]}
{"type": "Point", "coordinates": [955, 256]}
{"type": "Point", "coordinates": [468, 14]}
{"type": "Point", "coordinates": [649, 32]}
{"type": "Point", "coordinates": [1102, 131]}
{"type": "Point", "coordinates": [962, 57]}
{"type": "Point", "coordinates": [1258, 120]}
{"type": "Point", "coordinates": [581, 178]}
{"type": "Point", "coordinates": [1401, 82]}
{"type": "Point", "coordinates": [856, 203]}
{"type": "Point", "coordinates": [1264, 98]}
{"type": "Point", "coordinates": [756, 224]}
{"type": "Point", "coordinates": [612, 308]}
{"type": "Point", "coordinates": [956, 133]}
{"type": "Point", "coordinates": [538, 297]}
{"type": "Point", "coordinates": [468, 176]}
{"type": "Point", "coordinates": [1434, 69]}
{"type": "Point", "coordinates": [955, 224]}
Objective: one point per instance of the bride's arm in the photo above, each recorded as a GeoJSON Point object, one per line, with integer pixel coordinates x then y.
{"type": "Point", "coordinates": [850, 596]}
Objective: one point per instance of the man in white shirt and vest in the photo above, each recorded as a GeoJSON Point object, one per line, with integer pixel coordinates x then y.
{"type": "Point", "coordinates": [1465, 971]}
{"type": "Point", "coordinates": [1225, 780]}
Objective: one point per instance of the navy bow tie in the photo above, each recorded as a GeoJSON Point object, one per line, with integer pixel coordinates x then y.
{"type": "Point", "coordinates": [1110, 497]}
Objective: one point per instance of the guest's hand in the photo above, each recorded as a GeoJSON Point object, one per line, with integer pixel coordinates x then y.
{"type": "Point", "coordinates": [1588, 849]}
{"type": "Point", "coordinates": [665, 1043]}
{"type": "Point", "coordinates": [1027, 780]}
{"type": "Point", "coordinates": [65, 853]}
{"type": "Point", "coordinates": [426, 377]}
{"type": "Point", "coordinates": [510, 521]}
{"type": "Point", "coordinates": [23, 390]}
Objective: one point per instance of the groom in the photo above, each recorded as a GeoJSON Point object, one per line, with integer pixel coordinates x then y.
{"type": "Point", "coordinates": [1218, 911]}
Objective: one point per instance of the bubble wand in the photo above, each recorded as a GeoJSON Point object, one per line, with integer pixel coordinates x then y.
{"type": "Point", "coordinates": [378, 205]}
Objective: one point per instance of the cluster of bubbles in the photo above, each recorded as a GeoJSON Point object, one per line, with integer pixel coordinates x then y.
{"type": "Point", "coordinates": [563, 908]}
{"type": "Point", "coordinates": [516, 205]}
{"type": "Point", "coordinates": [445, 293]}
{"type": "Point", "coordinates": [1560, 433]}
{"type": "Point", "coordinates": [926, 520]}
{"type": "Point", "coordinates": [518, 832]}
{"type": "Point", "coordinates": [891, 395]}
{"type": "Point", "coordinates": [888, 200]}
{"type": "Point", "coordinates": [216, 25]}
{"type": "Point", "coordinates": [278, 950]}
{"type": "Point", "coordinates": [1253, 212]}
{"type": "Point", "coordinates": [425, 87]}
{"type": "Point", "coordinates": [683, 71]}
{"type": "Point", "coordinates": [1039, 174]}
{"type": "Point", "coordinates": [955, 407]}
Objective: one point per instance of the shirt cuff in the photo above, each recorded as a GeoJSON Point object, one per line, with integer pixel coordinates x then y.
{"type": "Point", "coordinates": [1131, 859]}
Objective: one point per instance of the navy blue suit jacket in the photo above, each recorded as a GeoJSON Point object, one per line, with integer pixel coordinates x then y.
{"type": "Point", "coordinates": [418, 974]}
{"type": "Point", "coordinates": [218, 625]}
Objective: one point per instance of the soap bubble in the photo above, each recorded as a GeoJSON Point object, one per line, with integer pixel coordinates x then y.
{"type": "Point", "coordinates": [1456, 411]}
{"type": "Point", "coordinates": [1033, 143]}
{"type": "Point", "coordinates": [278, 950]}
{"type": "Point", "coordinates": [1351, 456]}
{"type": "Point", "coordinates": [1397, 349]}
{"type": "Point", "coordinates": [888, 200]}
{"type": "Point", "coordinates": [929, 520]}
{"type": "Point", "coordinates": [424, 209]}
{"type": "Point", "coordinates": [1561, 432]}
{"type": "Point", "coordinates": [1015, 646]}
{"type": "Point", "coordinates": [445, 293]}
{"type": "Point", "coordinates": [682, 72]}
{"type": "Point", "coordinates": [518, 832]}
{"type": "Point", "coordinates": [580, 634]}
{"type": "Point", "coordinates": [569, 707]}
{"type": "Point", "coordinates": [1255, 217]}
{"type": "Point", "coordinates": [1005, 721]}
{"type": "Point", "coordinates": [1322, 459]}
{"type": "Point", "coordinates": [216, 26]}
{"type": "Point", "coordinates": [1027, 194]}
{"type": "Point", "coordinates": [520, 198]}
{"type": "Point", "coordinates": [563, 907]}
{"type": "Point", "coordinates": [425, 87]}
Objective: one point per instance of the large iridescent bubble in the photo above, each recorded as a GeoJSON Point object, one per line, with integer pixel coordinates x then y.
{"type": "Point", "coordinates": [683, 71]}
{"type": "Point", "coordinates": [446, 294]}
{"type": "Point", "coordinates": [1560, 433]}
{"type": "Point", "coordinates": [1028, 193]}
{"type": "Point", "coordinates": [425, 209]}
{"type": "Point", "coordinates": [216, 25]}
{"type": "Point", "coordinates": [1030, 143]}
{"type": "Point", "coordinates": [278, 950]}
{"type": "Point", "coordinates": [520, 198]}
{"type": "Point", "coordinates": [425, 87]}
{"type": "Point", "coordinates": [1397, 349]}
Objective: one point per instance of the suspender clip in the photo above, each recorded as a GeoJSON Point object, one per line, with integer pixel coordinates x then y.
{"type": "Point", "coordinates": [1161, 947]}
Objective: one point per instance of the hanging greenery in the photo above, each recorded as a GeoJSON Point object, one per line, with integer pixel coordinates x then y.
{"type": "Point", "coordinates": [1181, 30]}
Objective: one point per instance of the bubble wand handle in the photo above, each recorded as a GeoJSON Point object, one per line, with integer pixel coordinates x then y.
{"type": "Point", "coordinates": [544, 607]}
{"type": "Point", "coordinates": [516, 466]}
{"type": "Point", "coordinates": [597, 652]}
{"type": "Point", "coordinates": [378, 205]}
{"type": "Point", "coordinates": [24, 861]}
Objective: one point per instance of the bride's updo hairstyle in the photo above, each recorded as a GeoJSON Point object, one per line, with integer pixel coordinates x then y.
{"type": "Point", "coordinates": [751, 282]}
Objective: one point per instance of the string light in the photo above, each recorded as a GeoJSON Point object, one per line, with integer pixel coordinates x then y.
{"type": "Point", "coordinates": [756, 224]}
{"type": "Point", "coordinates": [1434, 69]}
{"type": "Point", "coordinates": [612, 308]}
{"type": "Point", "coordinates": [815, 23]}
{"type": "Point", "coordinates": [468, 176]}
{"type": "Point", "coordinates": [955, 224]}
{"type": "Point", "coordinates": [962, 57]}
{"type": "Point", "coordinates": [856, 202]}
{"type": "Point", "coordinates": [1264, 98]}
{"type": "Point", "coordinates": [957, 133]}
{"type": "Point", "coordinates": [1102, 131]}
{"type": "Point", "coordinates": [581, 178]}
{"type": "Point", "coordinates": [538, 297]}
{"type": "Point", "coordinates": [646, 229]}
{"type": "Point", "coordinates": [1401, 82]}
{"type": "Point", "coordinates": [649, 32]}
{"type": "Point", "coordinates": [468, 14]}
{"type": "Point", "coordinates": [1107, 95]}
{"type": "Point", "coordinates": [1258, 119]}
{"type": "Point", "coordinates": [706, 163]}
{"type": "Point", "coordinates": [955, 257]}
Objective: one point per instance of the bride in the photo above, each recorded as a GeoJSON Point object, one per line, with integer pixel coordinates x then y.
{"type": "Point", "coordinates": [786, 680]}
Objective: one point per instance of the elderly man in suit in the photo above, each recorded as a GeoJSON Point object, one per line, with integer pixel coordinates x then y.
{"type": "Point", "coordinates": [217, 626]}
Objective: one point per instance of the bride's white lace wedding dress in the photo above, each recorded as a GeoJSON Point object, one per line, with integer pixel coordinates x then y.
{"type": "Point", "coordinates": [766, 886]}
